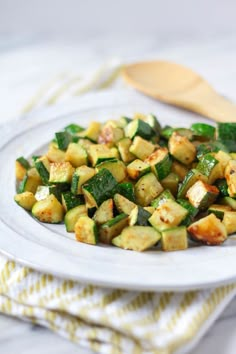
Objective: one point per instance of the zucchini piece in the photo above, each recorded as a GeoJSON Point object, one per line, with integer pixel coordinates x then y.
{"type": "Point", "coordinates": [146, 189]}
{"type": "Point", "coordinates": [123, 148]}
{"type": "Point", "coordinates": [192, 177]}
{"type": "Point", "coordinates": [222, 185]}
{"type": "Point", "coordinates": [54, 154]}
{"type": "Point", "coordinates": [123, 205]}
{"type": "Point", "coordinates": [179, 169]}
{"type": "Point", "coordinates": [226, 133]}
{"type": "Point", "coordinates": [70, 201]}
{"type": "Point", "coordinates": [150, 209]}
{"type": "Point", "coordinates": [140, 128]}
{"type": "Point", "coordinates": [229, 201]}
{"type": "Point", "coordinates": [210, 167]}
{"type": "Point", "coordinates": [23, 162]}
{"type": "Point", "coordinates": [181, 148]}
{"type": "Point", "coordinates": [160, 163]}
{"type": "Point", "coordinates": [85, 143]}
{"type": "Point", "coordinates": [73, 215]}
{"type": "Point", "coordinates": [81, 175]}
{"type": "Point", "coordinates": [126, 189]}
{"type": "Point", "coordinates": [203, 130]}
{"type": "Point", "coordinates": [192, 211]}
{"type": "Point", "coordinates": [123, 121]}
{"type": "Point", "coordinates": [86, 230]}
{"type": "Point", "coordinates": [167, 131]}
{"type": "Point", "coordinates": [76, 155]}
{"type": "Point", "coordinates": [174, 239]}
{"type": "Point", "coordinates": [223, 159]}
{"type": "Point", "coordinates": [42, 165]}
{"type": "Point", "coordinates": [110, 134]}
{"type": "Point", "coordinates": [230, 176]}
{"type": "Point", "coordinates": [163, 197]}
{"type": "Point", "coordinates": [73, 129]}
{"type": "Point", "coordinates": [30, 182]}
{"type": "Point", "coordinates": [139, 216]}
{"type": "Point", "coordinates": [116, 167]}
{"type": "Point", "coordinates": [43, 192]}
{"type": "Point", "coordinates": [137, 169]}
{"type": "Point", "coordinates": [61, 172]}
{"type": "Point", "coordinates": [201, 195]}
{"type": "Point", "coordinates": [171, 182]}
{"type": "Point", "coordinates": [152, 120]}
{"type": "Point", "coordinates": [112, 228]}
{"type": "Point", "coordinates": [21, 167]}
{"type": "Point", "coordinates": [219, 210]}
{"type": "Point", "coordinates": [92, 132]}
{"type": "Point", "coordinates": [229, 220]}
{"type": "Point", "coordinates": [141, 148]}
{"type": "Point", "coordinates": [63, 139]}
{"type": "Point", "coordinates": [105, 212]}
{"type": "Point", "coordinates": [99, 188]}
{"type": "Point", "coordinates": [48, 210]}
{"type": "Point", "coordinates": [137, 238]}
{"type": "Point", "coordinates": [99, 153]}
{"type": "Point", "coordinates": [211, 146]}
{"type": "Point", "coordinates": [208, 230]}
{"type": "Point", "coordinates": [168, 215]}
{"type": "Point", "coordinates": [26, 200]}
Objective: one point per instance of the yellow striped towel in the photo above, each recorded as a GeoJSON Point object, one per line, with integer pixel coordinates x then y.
{"type": "Point", "coordinates": [105, 320]}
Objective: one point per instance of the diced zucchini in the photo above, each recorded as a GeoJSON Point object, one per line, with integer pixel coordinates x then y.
{"type": "Point", "coordinates": [92, 132]}
{"type": "Point", "coordinates": [42, 165]}
{"type": "Point", "coordinates": [150, 209]}
{"type": "Point", "coordinates": [55, 155]}
{"type": "Point", "coordinates": [146, 189]}
{"type": "Point", "coordinates": [63, 139]}
{"type": "Point", "coordinates": [110, 134]}
{"type": "Point", "coordinates": [99, 153]}
{"type": "Point", "coordinates": [229, 220]}
{"type": "Point", "coordinates": [140, 128]}
{"type": "Point", "coordinates": [105, 212]}
{"type": "Point", "coordinates": [123, 147]}
{"type": "Point", "coordinates": [141, 148]}
{"type": "Point", "coordinates": [174, 239]}
{"type": "Point", "coordinates": [123, 121]}
{"type": "Point", "coordinates": [116, 167]}
{"type": "Point", "coordinates": [192, 211]}
{"type": "Point", "coordinates": [21, 167]}
{"type": "Point", "coordinates": [48, 210]}
{"type": "Point", "coordinates": [152, 120]}
{"type": "Point", "coordinates": [160, 162]}
{"type": "Point", "coordinates": [43, 192]}
{"type": "Point", "coordinates": [219, 210]}
{"type": "Point", "coordinates": [230, 176]}
{"type": "Point", "coordinates": [26, 200]}
{"type": "Point", "coordinates": [208, 230]}
{"type": "Point", "coordinates": [70, 201]}
{"type": "Point", "coordinates": [85, 143]}
{"type": "Point", "coordinates": [126, 189]}
{"type": "Point", "coordinates": [81, 175]}
{"type": "Point", "coordinates": [229, 201]}
{"type": "Point", "coordinates": [211, 146]}
{"type": "Point", "coordinates": [137, 168]}
{"type": "Point", "coordinates": [163, 197]}
{"type": "Point", "coordinates": [201, 195]}
{"type": "Point", "coordinates": [25, 163]}
{"type": "Point", "coordinates": [203, 130]}
{"type": "Point", "coordinates": [223, 158]}
{"type": "Point", "coordinates": [73, 129]}
{"type": "Point", "coordinates": [30, 182]}
{"type": "Point", "coordinates": [99, 188]}
{"type": "Point", "coordinates": [179, 169]}
{"type": "Point", "coordinates": [112, 228]}
{"type": "Point", "coordinates": [137, 238]}
{"type": "Point", "coordinates": [61, 172]}
{"type": "Point", "coordinates": [192, 177]}
{"type": "Point", "coordinates": [76, 155]}
{"type": "Point", "coordinates": [210, 167]}
{"type": "Point", "coordinates": [123, 204]}
{"type": "Point", "coordinates": [181, 148]}
{"type": "Point", "coordinates": [222, 185]}
{"type": "Point", "coordinates": [168, 215]}
{"type": "Point", "coordinates": [139, 216]}
{"type": "Point", "coordinates": [73, 215]}
{"type": "Point", "coordinates": [226, 133]}
{"type": "Point", "coordinates": [86, 230]}
{"type": "Point", "coordinates": [171, 182]}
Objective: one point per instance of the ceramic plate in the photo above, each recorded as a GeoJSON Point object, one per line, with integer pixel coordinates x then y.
{"type": "Point", "coordinates": [50, 249]}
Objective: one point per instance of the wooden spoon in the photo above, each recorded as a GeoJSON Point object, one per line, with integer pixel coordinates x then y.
{"type": "Point", "coordinates": [179, 86]}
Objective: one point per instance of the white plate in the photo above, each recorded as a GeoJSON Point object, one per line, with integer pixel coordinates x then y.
{"type": "Point", "coordinates": [50, 249]}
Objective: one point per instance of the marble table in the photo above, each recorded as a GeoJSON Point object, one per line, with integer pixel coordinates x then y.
{"type": "Point", "coordinates": [214, 59]}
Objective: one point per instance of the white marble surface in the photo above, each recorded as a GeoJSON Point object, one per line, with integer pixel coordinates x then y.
{"type": "Point", "coordinates": [213, 59]}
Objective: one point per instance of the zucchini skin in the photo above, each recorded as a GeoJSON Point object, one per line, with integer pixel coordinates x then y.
{"type": "Point", "coordinates": [73, 128]}
{"type": "Point", "coordinates": [139, 128]}
{"type": "Point", "coordinates": [70, 201]}
{"type": "Point", "coordinates": [63, 140]}
{"type": "Point", "coordinates": [126, 189]}
{"type": "Point", "coordinates": [192, 211]}
{"type": "Point", "coordinates": [211, 146]}
{"type": "Point", "coordinates": [25, 163]}
{"type": "Point", "coordinates": [112, 228]}
{"type": "Point", "coordinates": [226, 133]}
{"type": "Point", "coordinates": [189, 180]}
{"type": "Point", "coordinates": [203, 130]}
{"type": "Point", "coordinates": [139, 216]}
